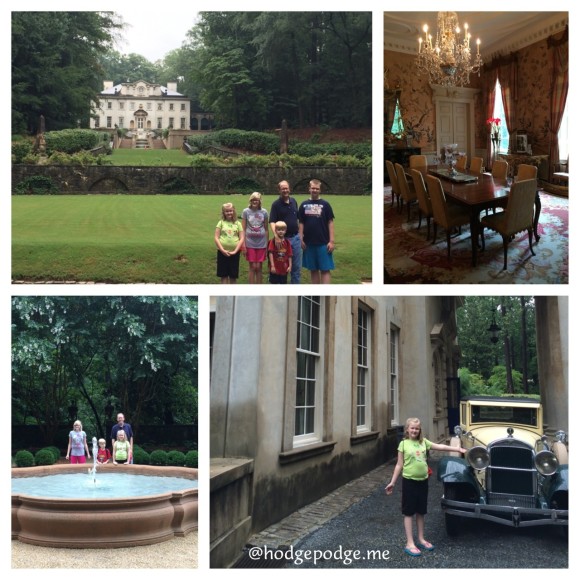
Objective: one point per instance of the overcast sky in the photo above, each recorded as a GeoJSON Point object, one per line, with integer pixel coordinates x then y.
{"type": "Point", "coordinates": [153, 34]}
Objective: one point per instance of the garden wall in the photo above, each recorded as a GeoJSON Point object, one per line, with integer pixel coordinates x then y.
{"type": "Point", "coordinates": [190, 180]}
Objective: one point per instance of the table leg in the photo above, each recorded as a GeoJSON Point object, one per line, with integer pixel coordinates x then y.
{"type": "Point", "coordinates": [474, 226]}
{"type": "Point", "coordinates": [537, 210]}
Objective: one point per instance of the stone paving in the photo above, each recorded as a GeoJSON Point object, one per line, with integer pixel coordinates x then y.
{"type": "Point", "coordinates": [288, 531]}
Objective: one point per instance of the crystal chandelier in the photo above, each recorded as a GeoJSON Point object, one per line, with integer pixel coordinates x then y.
{"type": "Point", "coordinates": [448, 62]}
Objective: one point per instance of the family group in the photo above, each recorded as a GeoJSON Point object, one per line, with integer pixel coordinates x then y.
{"type": "Point", "coordinates": [302, 237]}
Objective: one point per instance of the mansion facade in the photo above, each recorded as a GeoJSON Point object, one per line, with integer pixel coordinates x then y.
{"type": "Point", "coordinates": [141, 106]}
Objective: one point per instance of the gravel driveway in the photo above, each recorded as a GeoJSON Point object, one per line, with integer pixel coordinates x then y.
{"type": "Point", "coordinates": [376, 523]}
{"type": "Point", "coordinates": [175, 553]}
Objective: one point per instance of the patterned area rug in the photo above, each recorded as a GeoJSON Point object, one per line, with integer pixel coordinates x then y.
{"type": "Point", "coordinates": [411, 259]}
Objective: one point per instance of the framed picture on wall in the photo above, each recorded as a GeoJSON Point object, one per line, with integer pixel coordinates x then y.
{"type": "Point", "coordinates": [521, 143]}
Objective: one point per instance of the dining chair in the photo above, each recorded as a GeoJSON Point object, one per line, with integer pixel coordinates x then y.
{"type": "Point", "coordinates": [461, 163]}
{"type": "Point", "coordinates": [517, 217]}
{"type": "Point", "coordinates": [499, 169]}
{"type": "Point", "coordinates": [407, 194]}
{"type": "Point", "coordinates": [417, 161]}
{"type": "Point", "coordinates": [526, 172]}
{"type": "Point", "coordinates": [425, 208]}
{"type": "Point", "coordinates": [446, 215]}
{"type": "Point", "coordinates": [476, 164]}
{"type": "Point", "coordinates": [394, 184]}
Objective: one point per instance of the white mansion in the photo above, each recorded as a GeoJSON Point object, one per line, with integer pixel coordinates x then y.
{"type": "Point", "coordinates": [141, 106]}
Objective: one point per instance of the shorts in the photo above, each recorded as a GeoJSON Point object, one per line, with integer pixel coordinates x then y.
{"type": "Point", "coordinates": [317, 258]}
{"type": "Point", "coordinates": [78, 459]}
{"type": "Point", "coordinates": [121, 461]}
{"type": "Point", "coordinates": [414, 496]}
{"type": "Point", "coordinates": [228, 266]}
{"type": "Point", "coordinates": [278, 278]}
{"type": "Point", "coordinates": [256, 254]}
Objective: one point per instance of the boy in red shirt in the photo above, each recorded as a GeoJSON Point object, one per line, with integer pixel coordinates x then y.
{"type": "Point", "coordinates": [279, 255]}
{"type": "Point", "coordinates": [103, 455]}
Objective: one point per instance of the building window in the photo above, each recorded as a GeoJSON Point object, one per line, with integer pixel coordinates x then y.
{"type": "Point", "coordinates": [171, 106]}
{"type": "Point", "coordinates": [109, 122]}
{"type": "Point", "coordinates": [394, 375]}
{"type": "Point", "coordinates": [109, 105]}
{"type": "Point", "coordinates": [182, 123]}
{"type": "Point", "coordinates": [97, 122]}
{"type": "Point", "coordinates": [132, 106]}
{"type": "Point", "coordinates": [149, 106]}
{"type": "Point", "coordinates": [363, 383]}
{"type": "Point", "coordinates": [160, 106]}
{"type": "Point", "coordinates": [159, 122]}
{"type": "Point", "coordinates": [499, 113]}
{"type": "Point", "coordinates": [121, 122]}
{"type": "Point", "coordinates": [183, 106]}
{"type": "Point", "coordinates": [121, 106]}
{"type": "Point", "coordinates": [171, 119]}
{"type": "Point", "coordinates": [308, 399]}
{"type": "Point", "coordinates": [140, 122]}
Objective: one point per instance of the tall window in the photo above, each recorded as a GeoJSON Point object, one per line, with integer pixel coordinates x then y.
{"type": "Point", "coordinates": [394, 375]}
{"type": "Point", "coordinates": [499, 113]}
{"type": "Point", "coordinates": [307, 406]}
{"type": "Point", "coordinates": [363, 384]}
{"type": "Point", "coordinates": [397, 128]}
{"type": "Point", "coordinates": [121, 122]}
{"type": "Point", "coordinates": [109, 122]}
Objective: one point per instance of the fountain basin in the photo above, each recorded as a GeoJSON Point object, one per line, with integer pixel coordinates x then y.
{"type": "Point", "coordinates": [104, 523]}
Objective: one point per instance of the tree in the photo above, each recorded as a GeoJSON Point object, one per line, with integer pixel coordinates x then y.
{"type": "Point", "coordinates": [516, 348]}
{"type": "Point", "coordinates": [55, 66]}
{"type": "Point", "coordinates": [254, 69]}
{"type": "Point", "coordinates": [139, 353]}
{"type": "Point", "coordinates": [122, 68]}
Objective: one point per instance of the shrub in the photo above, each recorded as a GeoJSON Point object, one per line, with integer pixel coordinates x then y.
{"type": "Point", "coordinates": [177, 185]}
{"type": "Point", "coordinates": [20, 150]}
{"type": "Point", "coordinates": [44, 457]}
{"type": "Point", "coordinates": [140, 456]}
{"type": "Point", "coordinates": [55, 452]}
{"type": "Point", "coordinates": [176, 458]}
{"type": "Point", "coordinates": [243, 185]}
{"type": "Point", "coordinates": [158, 457]}
{"type": "Point", "coordinates": [36, 185]}
{"type": "Point", "coordinates": [191, 459]}
{"type": "Point", "coordinates": [24, 459]}
{"type": "Point", "coordinates": [71, 140]}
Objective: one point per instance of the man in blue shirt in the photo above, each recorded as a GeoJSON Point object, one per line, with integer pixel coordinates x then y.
{"type": "Point", "coordinates": [285, 209]}
{"type": "Point", "coordinates": [122, 426]}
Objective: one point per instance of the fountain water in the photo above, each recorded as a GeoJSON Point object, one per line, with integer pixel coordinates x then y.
{"type": "Point", "coordinates": [95, 451]}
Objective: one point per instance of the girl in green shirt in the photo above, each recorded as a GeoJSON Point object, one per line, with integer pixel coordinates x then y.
{"type": "Point", "coordinates": [412, 461]}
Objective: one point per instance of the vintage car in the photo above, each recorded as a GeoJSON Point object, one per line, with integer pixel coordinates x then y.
{"type": "Point", "coordinates": [511, 474]}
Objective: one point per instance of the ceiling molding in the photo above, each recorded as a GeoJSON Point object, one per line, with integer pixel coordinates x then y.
{"type": "Point", "coordinates": [500, 32]}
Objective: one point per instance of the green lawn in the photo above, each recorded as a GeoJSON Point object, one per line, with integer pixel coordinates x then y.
{"type": "Point", "coordinates": [154, 239]}
{"type": "Point", "coordinates": [150, 157]}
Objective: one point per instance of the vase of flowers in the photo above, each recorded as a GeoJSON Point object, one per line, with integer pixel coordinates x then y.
{"type": "Point", "coordinates": [494, 129]}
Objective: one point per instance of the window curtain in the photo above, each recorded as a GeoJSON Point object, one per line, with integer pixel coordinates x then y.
{"type": "Point", "coordinates": [559, 95]}
{"type": "Point", "coordinates": [489, 82]}
{"type": "Point", "coordinates": [508, 79]}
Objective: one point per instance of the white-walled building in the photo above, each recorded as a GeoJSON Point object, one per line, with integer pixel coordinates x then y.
{"type": "Point", "coordinates": [141, 106]}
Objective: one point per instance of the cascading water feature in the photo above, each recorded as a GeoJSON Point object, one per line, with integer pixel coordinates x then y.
{"type": "Point", "coordinates": [95, 451]}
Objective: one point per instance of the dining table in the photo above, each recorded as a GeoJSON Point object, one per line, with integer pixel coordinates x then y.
{"type": "Point", "coordinates": [477, 192]}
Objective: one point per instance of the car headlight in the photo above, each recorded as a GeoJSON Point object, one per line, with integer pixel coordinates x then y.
{"type": "Point", "coordinates": [478, 457]}
{"type": "Point", "coordinates": [546, 463]}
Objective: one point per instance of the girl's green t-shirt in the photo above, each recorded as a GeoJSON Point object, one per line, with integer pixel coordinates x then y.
{"type": "Point", "coordinates": [229, 234]}
{"type": "Point", "coordinates": [415, 458]}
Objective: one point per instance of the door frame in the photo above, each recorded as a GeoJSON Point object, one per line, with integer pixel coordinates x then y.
{"type": "Point", "coordinates": [464, 95]}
